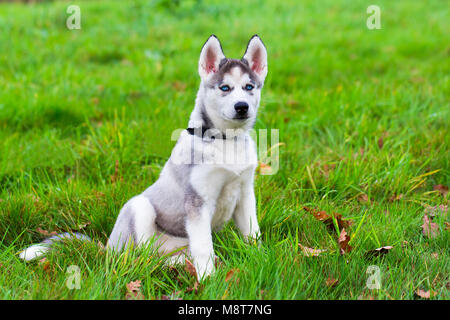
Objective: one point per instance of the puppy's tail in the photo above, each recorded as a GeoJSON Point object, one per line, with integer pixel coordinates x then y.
{"type": "Point", "coordinates": [39, 250]}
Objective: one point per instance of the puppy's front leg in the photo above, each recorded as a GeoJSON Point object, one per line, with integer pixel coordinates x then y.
{"type": "Point", "coordinates": [245, 214]}
{"type": "Point", "coordinates": [198, 227]}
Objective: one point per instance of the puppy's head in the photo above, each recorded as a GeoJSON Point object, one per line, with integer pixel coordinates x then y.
{"type": "Point", "coordinates": [232, 87]}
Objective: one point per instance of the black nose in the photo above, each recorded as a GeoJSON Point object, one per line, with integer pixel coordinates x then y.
{"type": "Point", "coordinates": [241, 107]}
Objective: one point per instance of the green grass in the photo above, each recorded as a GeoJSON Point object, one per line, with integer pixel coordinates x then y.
{"type": "Point", "coordinates": [86, 118]}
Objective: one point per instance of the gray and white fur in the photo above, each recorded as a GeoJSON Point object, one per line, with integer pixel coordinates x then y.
{"type": "Point", "coordinates": [203, 184]}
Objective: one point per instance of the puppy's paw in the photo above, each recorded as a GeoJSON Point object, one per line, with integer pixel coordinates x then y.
{"type": "Point", "coordinates": [205, 270]}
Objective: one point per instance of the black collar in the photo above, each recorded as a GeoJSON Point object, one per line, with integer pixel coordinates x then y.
{"type": "Point", "coordinates": [212, 134]}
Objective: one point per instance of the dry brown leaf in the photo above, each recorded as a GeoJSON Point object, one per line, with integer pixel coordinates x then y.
{"type": "Point", "coordinates": [443, 190]}
{"type": "Point", "coordinates": [190, 268]}
{"type": "Point", "coordinates": [363, 198]}
{"type": "Point", "coordinates": [328, 219]}
{"type": "Point", "coordinates": [331, 282]}
{"type": "Point", "coordinates": [45, 233]}
{"type": "Point", "coordinates": [447, 226]}
{"type": "Point", "coordinates": [429, 229]}
{"type": "Point", "coordinates": [379, 251]}
{"type": "Point", "coordinates": [310, 252]}
{"type": "Point", "coordinates": [440, 210]}
{"type": "Point", "coordinates": [82, 226]}
{"type": "Point", "coordinates": [134, 291]}
{"type": "Point", "coordinates": [230, 275]}
{"type": "Point", "coordinates": [380, 143]}
{"type": "Point", "coordinates": [45, 264]}
{"type": "Point", "coordinates": [264, 168]}
{"type": "Point", "coordinates": [425, 294]}
{"type": "Point", "coordinates": [343, 241]}
{"type": "Point", "coordinates": [319, 215]}
{"type": "Point", "coordinates": [396, 197]}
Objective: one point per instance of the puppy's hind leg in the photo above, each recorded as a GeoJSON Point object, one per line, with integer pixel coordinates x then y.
{"type": "Point", "coordinates": [136, 222]}
{"type": "Point", "coordinates": [144, 219]}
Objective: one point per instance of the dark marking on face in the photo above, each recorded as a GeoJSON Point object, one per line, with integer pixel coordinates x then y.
{"type": "Point", "coordinates": [226, 65]}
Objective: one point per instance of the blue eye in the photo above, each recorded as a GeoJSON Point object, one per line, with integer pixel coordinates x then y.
{"type": "Point", "coordinates": [224, 88]}
{"type": "Point", "coordinates": [249, 87]}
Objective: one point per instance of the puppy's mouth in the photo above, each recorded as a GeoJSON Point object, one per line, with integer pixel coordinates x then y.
{"type": "Point", "coordinates": [241, 117]}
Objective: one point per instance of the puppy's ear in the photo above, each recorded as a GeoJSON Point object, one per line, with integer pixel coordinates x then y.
{"type": "Point", "coordinates": [256, 56]}
{"type": "Point", "coordinates": [210, 57]}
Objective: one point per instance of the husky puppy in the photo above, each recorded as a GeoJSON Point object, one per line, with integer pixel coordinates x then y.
{"type": "Point", "coordinates": [208, 178]}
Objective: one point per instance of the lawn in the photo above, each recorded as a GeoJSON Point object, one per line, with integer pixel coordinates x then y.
{"type": "Point", "coordinates": [86, 118]}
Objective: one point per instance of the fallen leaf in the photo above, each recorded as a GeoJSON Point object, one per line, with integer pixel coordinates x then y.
{"type": "Point", "coordinates": [447, 226]}
{"type": "Point", "coordinates": [319, 215]}
{"type": "Point", "coordinates": [134, 291]}
{"type": "Point", "coordinates": [379, 251]}
{"type": "Point", "coordinates": [84, 225]}
{"type": "Point", "coordinates": [310, 252]}
{"type": "Point", "coordinates": [264, 169]}
{"type": "Point", "coordinates": [343, 241]}
{"type": "Point", "coordinates": [328, 219]}
{"type": "Point", "coordinates": [190, 268]}
{"type": "Point", "coordinates": [45, 233]}
{"type": "Point", "coordinates": [230, 274]}
{"type": "Point", "coordinates": [425, 294]}
{"type": "Point", "coordinates": [331, 282]}
{"type": "Point", "coordinates": [363, 198]}
{"type": "Point", "coordinates": [441, 210]}
{"type": "Point", "coordinates": [396, 197]}
{"type": "Point", "coordinates": [443, 190]}
{"type": "Point", "coordinates": [380, 143]}
{"type": "Point", "coordinates": [429, 229]}
{"type": "Point", "coordinates": [45, 264]}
